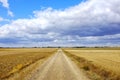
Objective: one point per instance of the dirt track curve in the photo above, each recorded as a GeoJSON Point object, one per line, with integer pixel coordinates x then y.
{"type": "Point", "coordinates": [58, 67]}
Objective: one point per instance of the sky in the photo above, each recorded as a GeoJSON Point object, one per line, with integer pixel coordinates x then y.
{"type": "Point", "coordinates": [29, 23]}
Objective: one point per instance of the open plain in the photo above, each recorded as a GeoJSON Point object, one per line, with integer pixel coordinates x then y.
{"type": "Point", "coordinates": [16, 60]}
{"type": "Point", "coordinates": [105, 62]}
{"type": "Point", "coordinates": [59, 64]}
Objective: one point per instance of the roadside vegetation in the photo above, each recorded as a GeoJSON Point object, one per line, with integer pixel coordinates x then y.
{"type": "Point", "coordinates": [98, 63]}
{"type": "Point", "coordinates": [13, 60]}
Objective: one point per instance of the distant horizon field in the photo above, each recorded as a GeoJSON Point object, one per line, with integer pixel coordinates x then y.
{"type": "Point", "coordinates": [93, 48]}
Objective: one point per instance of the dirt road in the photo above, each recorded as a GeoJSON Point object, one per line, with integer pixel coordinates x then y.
{"type": "Point", "coordinates": [58, 67]}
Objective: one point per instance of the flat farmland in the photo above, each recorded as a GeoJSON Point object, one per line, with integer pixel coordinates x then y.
{"type": "Point", "coordinates": [103, 61]}
{"type": "Point", "coordinates": [13, 60]}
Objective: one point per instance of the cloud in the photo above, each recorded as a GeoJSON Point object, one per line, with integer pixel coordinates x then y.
{"type": "Point", "coordinates": [94, 22]}
{"type": "Point", "coordinates": [6, 5]}
{"type": "Point", "coordinates": [1, 19]}
{"type": "Point", "coordinates": [10, 13]}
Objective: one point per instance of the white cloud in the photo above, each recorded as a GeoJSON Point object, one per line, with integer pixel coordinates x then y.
{"type": "Point", "coordinates": [6, 5]}
{"type": "Point", "coordinates": [93, 21]}
{"type": "Point", "coordinates": [1, 19]}
{"type": "Point", "coordinates": [10, 13]}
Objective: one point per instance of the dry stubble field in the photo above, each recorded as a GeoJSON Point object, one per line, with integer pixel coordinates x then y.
{"type": "Point", "coordinates": [13, 60]}
{"type": "Point", "coordinates": [99, 63]}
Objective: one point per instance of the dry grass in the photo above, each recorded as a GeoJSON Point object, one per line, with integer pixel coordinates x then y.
{"type": "Point", "coordinates": [105, 63]}
{"type": "Point", "coordinates": [14, 60]}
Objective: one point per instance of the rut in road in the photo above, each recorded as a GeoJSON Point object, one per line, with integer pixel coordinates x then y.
{"type": "Point", "coordinates": [58, 67]}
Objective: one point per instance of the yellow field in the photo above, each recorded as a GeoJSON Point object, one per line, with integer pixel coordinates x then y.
{"type": "Point", "coordinates": [13, 60]}
{"type": "Point", "coordinates": [105, 62]}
